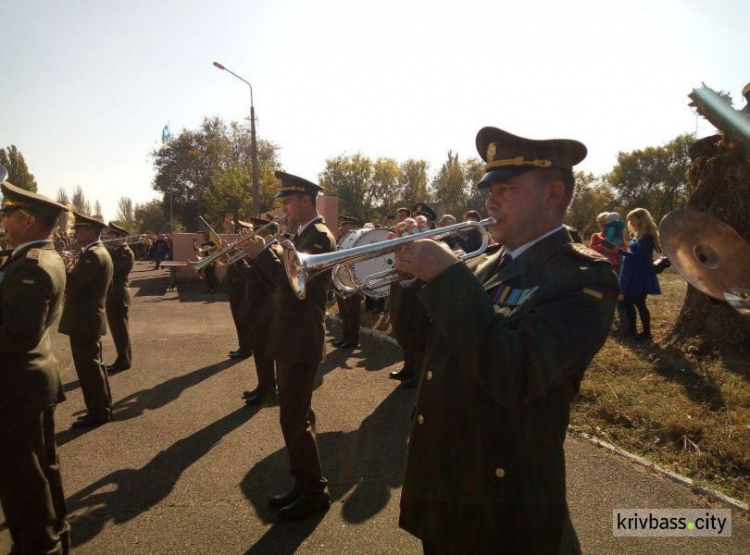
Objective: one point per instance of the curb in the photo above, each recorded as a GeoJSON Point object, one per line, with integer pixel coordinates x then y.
{"type": "Point", "coordinates": [675, 477]}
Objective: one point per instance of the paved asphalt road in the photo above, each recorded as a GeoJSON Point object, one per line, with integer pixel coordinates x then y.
{"type": "Point", "coordinates": [186, 468]}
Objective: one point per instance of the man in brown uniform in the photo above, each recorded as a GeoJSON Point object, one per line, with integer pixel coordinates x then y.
{"type": "Point", "coordinates": [297, 343]}
{"type": "Point", "coordinates": [350, 306]}
{"type": "Point", "coordinates": [32, 282]}
{"type": "Point", "coordinates": [84, 321]}
{"type": "Point", "coordinates": [509, 343]}
{"type": "Point", "coordinates": [118, 298]}
{"type": "Point", "coordinates": [409, 319]}
{"type": "Point", "coordinates": [259, 310]}
{"type": "Point", "coordinates": [235, 288]}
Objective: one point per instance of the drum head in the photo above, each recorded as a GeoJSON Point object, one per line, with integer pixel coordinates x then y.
{"type": "Point", "coordinates": [360, 271]}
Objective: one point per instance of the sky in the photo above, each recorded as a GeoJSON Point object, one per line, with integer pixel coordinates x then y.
{"type": "Point", "coordinates": [88, 85]}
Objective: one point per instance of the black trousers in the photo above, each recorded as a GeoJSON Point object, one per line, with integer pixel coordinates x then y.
{"type": "Point", "coordinates": [237, 306]}
{"type": "Point", "coordinates": [633, 302]}
{"type": "Point", "coordinates": [265, 367]}
{"type": "Point", "coordinates": [31, 489]}
{"type": "Point", "coordinates": [87, 357]}
{"type": "Point", "coordinates": [117, 319]}
{"type": "Point", "coordinates": [350, 309]}
{"type": "Point", "coordinates": [296, 382]}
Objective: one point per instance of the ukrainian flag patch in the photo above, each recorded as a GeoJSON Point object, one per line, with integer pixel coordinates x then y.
{"type": "Point", "coordinates": [594, 291]}
{"type": "Point", "coordinates": [28, 281]}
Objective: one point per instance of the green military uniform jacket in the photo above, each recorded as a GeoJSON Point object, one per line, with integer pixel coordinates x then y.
{"type": "Point", "coordinates": [86, 293]}
{"type": "Point", "coordinates": [485, 459]}
{"type": "Point", "coordinates": [123, 260]}
{"type": "Point", "coordinates": [298, 326]}
{"type": "Point", "coordinates": [31, 289]}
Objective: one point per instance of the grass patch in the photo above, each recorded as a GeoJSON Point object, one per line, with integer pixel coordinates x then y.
{"type": "Point", "coordinates": [687, 413]}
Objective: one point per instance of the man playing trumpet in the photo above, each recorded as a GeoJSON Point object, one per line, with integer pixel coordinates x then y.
{"type": "Point", "coordinates": [508, 347]}
{"type": "Point", "coordinates": [297, 343]}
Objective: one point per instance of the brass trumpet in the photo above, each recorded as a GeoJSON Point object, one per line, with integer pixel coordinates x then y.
{"type": "Point", "coordinates": [234, 252]}
{"type": "Point", "coordinates": [301, 267]}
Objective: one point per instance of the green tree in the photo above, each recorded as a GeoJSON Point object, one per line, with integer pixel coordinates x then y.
{"type": "Point", "coordinates": [152, 218]}
{"type": "Point", "coordinates": [591, 197]}
{"type": "Point", "coordinates": [208, 172]}
{"type": "Point", "coordinates": [350, 178]}
{"type": "Point", "coordinates": [413, 182]}
{"type": "Point", "coordinates": [386, 176]}
{"type": "Point", "coordinates": [654, 178]}
{"type": "Point", "coordinates": [18, 171]}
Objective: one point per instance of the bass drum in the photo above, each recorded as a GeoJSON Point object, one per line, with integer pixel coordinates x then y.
{"type": "Point", "coordinates": [353, 275]}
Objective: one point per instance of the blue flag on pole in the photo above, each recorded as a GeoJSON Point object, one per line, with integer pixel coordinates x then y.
{"type": "Point", "coordinates": [166, 136]}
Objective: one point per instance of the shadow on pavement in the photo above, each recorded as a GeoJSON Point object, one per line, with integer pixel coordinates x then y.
{"type": "Point", "coordinates": [363, 468]}
{"type": "Point", "coordinates": [124, 494]}
{"type": "Point", "coordinates": [137, 403]}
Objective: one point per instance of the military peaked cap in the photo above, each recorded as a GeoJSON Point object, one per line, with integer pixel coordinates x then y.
{"type": "Point", "coordinates": [424, 209]}
{"type": "Point", "coordinates": [292, 185]}
{"type": "Point", "coordinates": [83, 221]}
{"type": "Point", "coordinates": [348, 220]}
{"type": "Point", "coordinates": [507, 155]}
{"type": "Point", "coordinates": [15, 197]}
{"type": "Point", "coordinates": [117, 230]}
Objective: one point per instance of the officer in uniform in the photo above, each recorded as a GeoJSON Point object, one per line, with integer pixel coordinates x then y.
{"type": "Point", "coordinates": [32, 283]}
{"type": "Point", "coordinates": [508, 347]}
{"type": "Point", "coordinates": [259, 310]}
{"type": "Point", "coordinates": [409, 319]}
{"type": "Point", "coordinates": [234, 285]}
{"type": "Point", "coordinates": [350, 306]}
{"type": "Point", "coordinates": [424, 209]}
{"type": "Point", "coordinates": [83, 319]}
{"type": "Point", "coordinates": [297, 343]}
{"type": "Point", "coordinates": [118, 298]}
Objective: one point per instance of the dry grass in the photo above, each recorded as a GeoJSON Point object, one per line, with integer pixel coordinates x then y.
{"type": "Point", "coordinates": [688, 414]}
{"type": "Point", "coordinates": [685, 413]}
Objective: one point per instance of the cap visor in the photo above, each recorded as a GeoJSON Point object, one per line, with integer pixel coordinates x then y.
{"type": "Point", "coordinates": [502, 174]}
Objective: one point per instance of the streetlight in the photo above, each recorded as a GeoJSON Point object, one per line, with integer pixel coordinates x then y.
{"type": "Point", "coordinates": [253, 143]}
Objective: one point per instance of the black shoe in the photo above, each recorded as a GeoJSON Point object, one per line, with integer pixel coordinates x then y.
{"type": "Point", "coordinates": [114, 368]}
{"type": "Point", "coordinates": [246, 394]}
{"type": "Point", "coordinates": [306, 504]}
{"type": "Point", "coordinates": [260, 397]}
{"type": "Point", "coordinates": [643, 336]}
{"type": "Point", "coordinates": [284, 499]}
{"type": "Point", "coordinates": [348, 345]}
{"type": "Point", "coordinates": [88, 421]}
{"type": "Point", "coordinates": [338, 343]}
{"type": "Point", "coordinates": [239, 353]}
{"type": "Point", "coordinates": [400, 375]}
{"type": "Point", "coordinates": [411, 383]}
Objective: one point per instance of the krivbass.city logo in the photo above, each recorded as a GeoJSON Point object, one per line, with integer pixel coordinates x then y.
{"type": "Point", "coordinates": [672, 522]}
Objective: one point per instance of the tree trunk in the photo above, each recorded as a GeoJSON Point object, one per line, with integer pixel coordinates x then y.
{"type": "Point", "coordinates": [720, 172]}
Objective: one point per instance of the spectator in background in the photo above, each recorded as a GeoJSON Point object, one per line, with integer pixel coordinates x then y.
{"type": "Point", "coordinates": [637, 278]}
{"type": "Point", "coordinates": [599, 243]}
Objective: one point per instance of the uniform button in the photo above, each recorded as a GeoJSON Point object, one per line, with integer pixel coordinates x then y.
{"type": "Point", "coordinates": [420, 419]}
{"type": "Point", "coordinates": [428, 376]}
{"type": "Point", "coordinates": [500, 472]}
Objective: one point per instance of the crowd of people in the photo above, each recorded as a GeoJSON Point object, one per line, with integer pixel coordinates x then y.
{"type": "Point", "coordinates": [496, 346]}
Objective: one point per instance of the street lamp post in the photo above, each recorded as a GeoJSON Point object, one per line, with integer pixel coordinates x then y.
{"type": "Point", "coordinates": [253, 142]}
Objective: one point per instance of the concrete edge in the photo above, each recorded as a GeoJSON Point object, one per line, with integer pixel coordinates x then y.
{"type": "Point", "coordinates": [675, 477]}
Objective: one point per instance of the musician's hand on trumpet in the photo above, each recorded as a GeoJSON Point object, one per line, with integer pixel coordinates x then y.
{"type": "Point", "coordinates": [424, 259]}
{"type": "Point", "coordinates": [254, 246]}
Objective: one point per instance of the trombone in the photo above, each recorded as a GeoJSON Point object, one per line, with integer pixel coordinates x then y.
{"type": "Point", "coordinates": [301, 267]}
{"type": "Point", "coordinates": [234, 252]}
